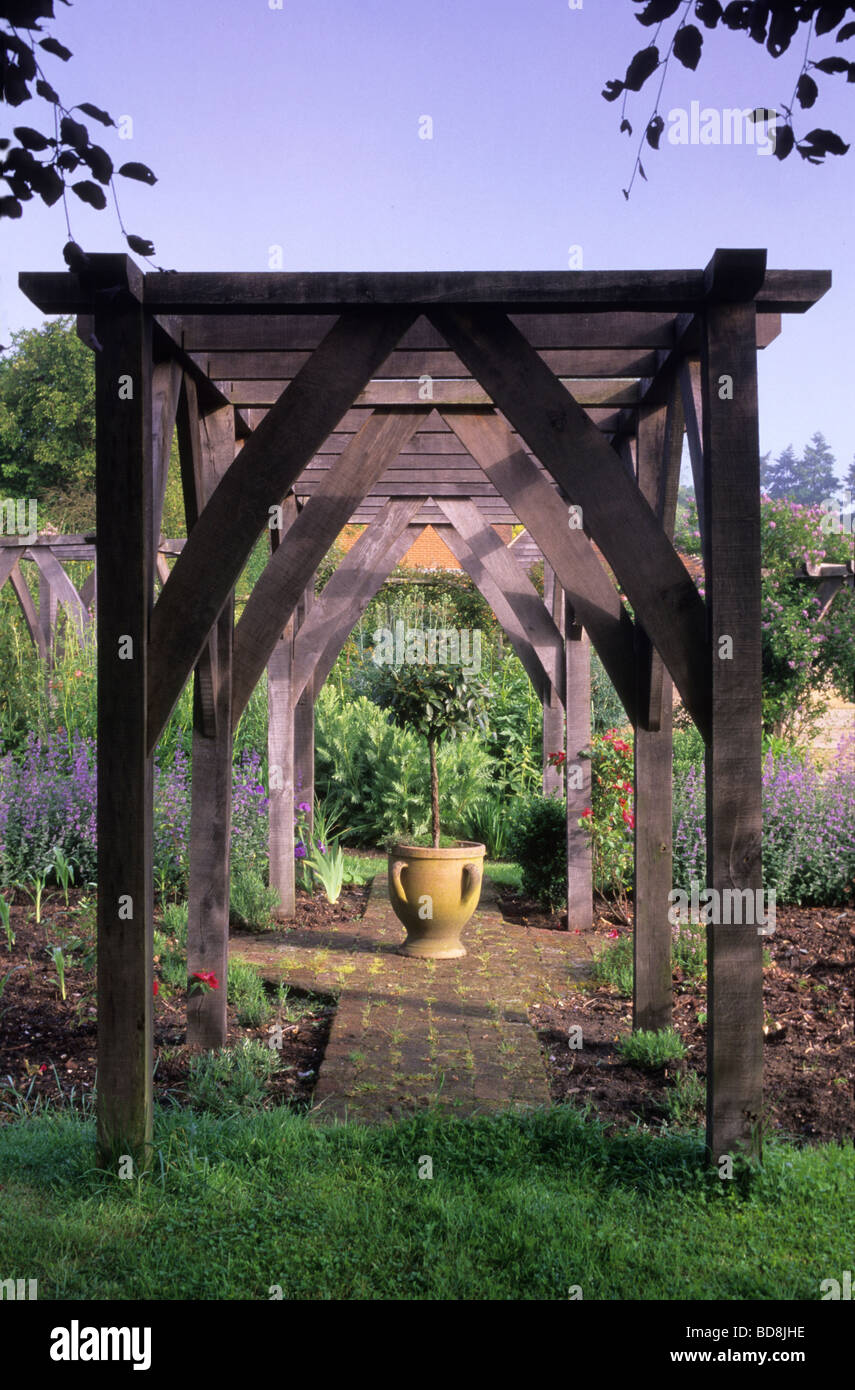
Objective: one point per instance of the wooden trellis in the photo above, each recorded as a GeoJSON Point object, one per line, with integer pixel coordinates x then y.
{"type": "Point", "coordinates": [401, 399]}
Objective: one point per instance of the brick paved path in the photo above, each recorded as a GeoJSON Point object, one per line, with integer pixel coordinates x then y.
{"type": "Point", "coordinates": [409, 1032]}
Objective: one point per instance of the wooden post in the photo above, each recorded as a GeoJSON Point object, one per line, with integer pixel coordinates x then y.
{"type": "Point", "coordinates": [733, 755]}
{"type": "Point", "coordinates": [280, 748]}
{"type": "Point", "coordinates": [660, 437]}
{"type": "Point", "coordinates": [304, 725]}
{"type": "Point", "coordinates": [211, 786]}
{"type": "Point", "coordinates": [125, 880]}
{"type": "Point", "coordinates": [580, 895]}
{"type": "Point", "coordinates": [553, 709]}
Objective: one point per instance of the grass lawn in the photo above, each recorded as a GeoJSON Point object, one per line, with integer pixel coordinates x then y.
{"type": "Point", "coordinates": [517, 1208]}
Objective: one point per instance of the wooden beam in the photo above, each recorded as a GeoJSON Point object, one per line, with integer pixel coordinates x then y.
{"type": "Point", "coordinates": [29, 610]}
{"type": "Point", "coordinates": [349, 590]}
{"type": "Point", "coordinates": [280, 741]}
{"type": "Point", "coordinates": [278, 589]}
{"type": "Point", "coordinates": [536, 504]}
{"type": "Point", "coordinates": [533, 622]}
{"type": "Point", "coordinates": [439, 364]}
{"type": "Point", "coordinates": [615, 514]}
{"type": "Point", "coordinates": [733, 757]}
{"type": "Point", "coordinates": [412, 391]}
{"type": "Point", "coordinates": [125, 876]}
{"type": "Point", "coordinates": [63, 590]}
{"type": "Point", "coordinates": [265, 469]}
{"type": "Point", "coordinates": [690, 390]}
{"type": "Point", "coordinates": [630, 332]}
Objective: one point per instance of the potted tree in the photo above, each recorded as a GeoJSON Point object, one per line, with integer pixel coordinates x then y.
{"type": "Point", "coordinates": [433, 889]}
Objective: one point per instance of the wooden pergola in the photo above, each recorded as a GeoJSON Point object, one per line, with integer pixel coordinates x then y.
{"type": "Point", "coordinates": [303, 402]}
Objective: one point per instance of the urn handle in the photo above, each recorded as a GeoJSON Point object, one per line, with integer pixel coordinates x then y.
{"type": "Point", "coordinates": [396, 866]}
{"type": "Point", "coordinates": [471, 881]}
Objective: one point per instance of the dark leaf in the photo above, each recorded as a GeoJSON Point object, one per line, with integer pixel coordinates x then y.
{"type": "Point", "coordinates": [657, 10]}
{"type": "Point", "coordinates": [850, 76]}
{"type": "Point", "coordinates": [99, 162]}
{"type": "Point", "coordinates": [784, 141]}
{"type": "Point", "coordinates": [612, 90]}
{"type": "Point", "coordinates": [21, 163]}
{"type": "Point", "coordinates": [785, 23]}
{"type": "Point", "coordinates": [738, 14]}
{"type": "Point", "coordinates": [140, 245]}
{"type": "Point", "coordinates": [625, 193]}
{"type": "Point", "coordinates": [654, 131]}
{"type": "Point", "coordinates": [847, 32]}
{"type": "Point", "coordinates": [68, 161]}
{"type": "Point", "coordinates": [90, 193]}
{"type": "Point", "coordinates": [806, 91]}
{"type": "Point", "coordinates": [45, 90]}
{"type": "Point", "coordinates": [625, 126]}
{"type": "Point", "coordinates": [25, 14]}
{"type": "Point", "coordinates": [832, 65]}
{"type": "Point", "coordinates": [19, 187]}
{"type": "Point", "coordinates": [709, 12]}
{"type": "Point", "coordinates": [58, 49]}
{"type": "Point", "coordinates": [829, 17]}
{"type": "Point", "coordinates": [138, 171]}
{"type": "Point", "coordinates": [822, 142]}
{"type": "Point", "coordinates": [48, 184]}
{"type": "Point", "coordinates": [762, 113]}
{"type": "Point", "coordinates": [75, 257]}
{"type": "Point", "coordinates": [95, 112]}
{"type": "Point", "coordinates": [32, 139]}
{"type": "Point", "coordinates": [759, 20]}
{"type": "Point", "coordinates": [641, 171]}
{"type": "Point", "coordinates": [23, 54]}
{"type": "Point", "coordinates": [643, 64]}
{"type": "Point", "coordinates": [13, 89]}
{"type": "Point", "coordinates": [10, 207]}
{"type": "Point", "coordinates": [74, 134]}
{"type": "Point", "coordinates": [688, 42]}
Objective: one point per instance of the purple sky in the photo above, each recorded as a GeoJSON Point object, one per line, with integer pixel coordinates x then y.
{"type": "Point", "coordinates": [299, 127]}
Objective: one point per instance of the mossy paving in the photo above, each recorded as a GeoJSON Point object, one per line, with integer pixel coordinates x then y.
{"type": "Point", "coordinates": [409, 1033]}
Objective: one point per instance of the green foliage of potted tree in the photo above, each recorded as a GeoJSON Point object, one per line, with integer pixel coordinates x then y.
{"type": "Point", "coordinates": [433, 889]}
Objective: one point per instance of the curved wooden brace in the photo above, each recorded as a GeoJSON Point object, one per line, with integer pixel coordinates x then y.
{"type": "Point", "coordinates": [622, 524]}
{"type": "Point", "coordinates": [62, 587]}
{"type": "Point", "coordinates": [594, 599]}
{"type": "Point", "coordinates": [278, 589]}
{"type": "Point", "coordinates": [347, 593]}
{"type": "Point", "coordinates": [268, 465]}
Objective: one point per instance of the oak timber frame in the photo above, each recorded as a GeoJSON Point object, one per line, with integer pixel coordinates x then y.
{"type": "Point", "coordinates": [306, 391]}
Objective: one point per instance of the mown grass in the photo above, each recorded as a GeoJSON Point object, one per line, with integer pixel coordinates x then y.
{"type": "Point", "coordinates": [519, 1207]}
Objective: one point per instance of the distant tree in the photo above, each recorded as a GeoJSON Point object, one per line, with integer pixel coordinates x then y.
{"type": "Point", "coordinates": [774, 23]}
{"type": "Point", "coordinates": [816, 471]}
{"type": "Point", "coordinates": [65, 143]}
{"type": "Point", "coordinates": [849, 481]}
{"type": "Point", "coordinates": [781, 477]}
{"type": "Point", "coordinates": [47, 413]}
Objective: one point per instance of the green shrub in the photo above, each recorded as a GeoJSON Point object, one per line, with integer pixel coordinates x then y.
{"type": "Point", "coordinates": [686, 1100]}
{"type": "Point", "coordinates": [248, 995]}
{"type": "Point", "coordinates": [174, 922]}
{"type": "Point", "coordinates": [652, 1049]}
{"type": "Point", "coordinates": [538, 842]}
{"type": "Point", "coordinates": [233, 1079]}
{"type": "Point", "coordinates": [251, 902]}
{"type": "Point", "coordinates": [613, 966]}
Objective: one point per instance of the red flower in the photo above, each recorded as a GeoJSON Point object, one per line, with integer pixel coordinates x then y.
{"type": "Point", "coordinates": [155, 987]}
{"type": "Point", "coordinates": [43, 1067]}
{"type": "Point", "coordinates": [587, 811]}
{"type": "Point", "coordinates": [207, 977]}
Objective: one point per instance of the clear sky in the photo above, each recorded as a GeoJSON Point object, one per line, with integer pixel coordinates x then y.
{"type": "Point", "coordinates": [299, 127]}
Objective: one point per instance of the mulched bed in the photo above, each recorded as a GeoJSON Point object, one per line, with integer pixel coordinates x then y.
{"type": "Point", "coordinates": [48, 1047]}
{"type": "Point", "coordinates": [809, 1060]}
